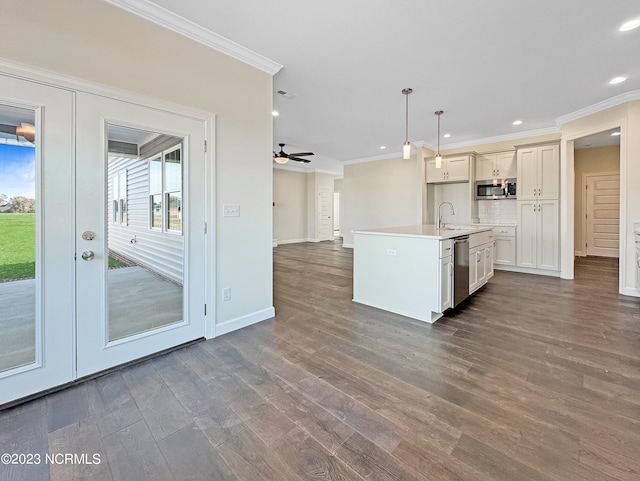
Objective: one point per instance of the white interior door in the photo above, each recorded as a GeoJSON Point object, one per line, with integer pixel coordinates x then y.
{"type": "Point", "coordinates": [36, 238]}
{"type": "Point", "coordinates": [602, 214]}
{"type": "Point", "coordinates": [140, 240]}
{"type": "Point", "coordinates": [325, 225]}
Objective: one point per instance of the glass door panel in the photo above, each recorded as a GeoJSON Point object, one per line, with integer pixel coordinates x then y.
{"type": "Point", "coordinates": [146, 262]}
{"type": "Point", "coordinates": [18, 285]}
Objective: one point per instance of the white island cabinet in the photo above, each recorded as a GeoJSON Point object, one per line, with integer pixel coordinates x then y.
{"type": "Point", "coordinates": [407, 270]}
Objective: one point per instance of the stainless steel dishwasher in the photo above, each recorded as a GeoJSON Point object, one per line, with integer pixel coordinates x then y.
{"type": "Point", "coordinates": [460, 269]}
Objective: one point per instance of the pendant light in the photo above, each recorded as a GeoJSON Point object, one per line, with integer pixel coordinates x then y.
{"type": "Point", "coordinates": [406, 147]}
{"type": "Point", "coordinates": [438, 156]}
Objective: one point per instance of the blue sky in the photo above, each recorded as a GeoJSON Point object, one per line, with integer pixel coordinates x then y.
{"type": "Point", "coordinates": [17, 170]}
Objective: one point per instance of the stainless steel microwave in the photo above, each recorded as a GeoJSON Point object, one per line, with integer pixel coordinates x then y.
{"type": "Point", "coordinates": [496, 189]}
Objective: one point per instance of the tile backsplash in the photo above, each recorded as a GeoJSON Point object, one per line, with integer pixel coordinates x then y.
{"type": "Point", "coordinates": [497, 211]}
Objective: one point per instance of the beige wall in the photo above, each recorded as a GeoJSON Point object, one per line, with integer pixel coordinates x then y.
{"type": "Point", "coordinates": [383, 193]}
{"type": "Point", "coordinates": [589, 161]}
{"type": "Point", "coordinates": [295, 213]}
{"type": "Point", "coordinates": [290, 209]}
{"type": "Point", "coordinates": [95, 41]}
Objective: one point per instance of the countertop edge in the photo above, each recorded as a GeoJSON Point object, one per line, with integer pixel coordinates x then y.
{"type": "Point", "coordinates": [447, 234]}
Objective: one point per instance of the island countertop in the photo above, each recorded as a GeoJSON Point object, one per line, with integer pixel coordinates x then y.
{"type": "Point", "coordinates": [427, 230]}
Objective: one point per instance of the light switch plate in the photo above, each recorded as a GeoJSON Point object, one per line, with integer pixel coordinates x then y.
{"type": "Point", "coordinates": [231, 210]}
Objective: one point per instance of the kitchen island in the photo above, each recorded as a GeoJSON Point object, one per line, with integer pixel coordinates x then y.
{"type": "Point", "coordinates": [410, 270]}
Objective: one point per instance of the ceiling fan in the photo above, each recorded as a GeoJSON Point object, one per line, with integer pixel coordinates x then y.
{"type": "Point", "coordinates": [282, 157]}
{"type": "Point", "coordinates": [25, 130]}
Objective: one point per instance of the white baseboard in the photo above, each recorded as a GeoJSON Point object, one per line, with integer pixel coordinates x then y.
{"type": "Point", "coordinates": [630, 291]}
{"type": "Point", "coordinates": [244, 321]}
{"type": "Point", "coordinates": [292, 241]}
{"type": "Point", "coordinates": [579, 254]}
{"type": "Point", "coordinates": [348, 246]}
{"type": "Point", "coordinates": [526, 270]}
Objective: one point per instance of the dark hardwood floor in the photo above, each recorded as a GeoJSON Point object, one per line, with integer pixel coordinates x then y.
{"type": "Point", "coordinates": [534, 378]}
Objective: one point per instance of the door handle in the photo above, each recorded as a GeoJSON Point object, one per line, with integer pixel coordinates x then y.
{"type": "Point", "coordinates": [88, 255]}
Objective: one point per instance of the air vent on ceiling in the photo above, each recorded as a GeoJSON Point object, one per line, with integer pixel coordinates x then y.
{"type": "Point", "coordinates": [285, 94]}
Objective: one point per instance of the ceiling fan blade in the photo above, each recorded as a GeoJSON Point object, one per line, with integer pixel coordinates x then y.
{"type": "Point", "coordinates": [291, 157]}
{"type": "Point", "coordinates": [301, 154]}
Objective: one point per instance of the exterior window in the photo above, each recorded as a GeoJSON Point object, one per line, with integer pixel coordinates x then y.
{"type": "Point", "coordinates": [155, 192]}
{"type": "Point", "coordinates": [165, 191]}
{"type": "Point", "coordinates": [120, 197]}
{"type": "Point", "coordinates": [173, 189]}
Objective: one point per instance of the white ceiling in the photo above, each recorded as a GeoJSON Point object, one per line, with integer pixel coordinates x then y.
{"type": "Point", "coordinates": [485, 63]}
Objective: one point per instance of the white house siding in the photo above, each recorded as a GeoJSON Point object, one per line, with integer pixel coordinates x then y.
{"type": "Point", "coordinates": [161, 252]}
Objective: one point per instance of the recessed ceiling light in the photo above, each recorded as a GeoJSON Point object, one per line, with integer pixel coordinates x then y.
{"type": "Point", "coordinates": [630, 25]}
{"type": "Point", "coordinates": [382, 147]}
{"type": "Point", "coordinates": [275, 113]}
{"type": "Point", "coordinates": [446, 136]}
{"type": "Point", "coordinates": [517, 122]}
{"type": "Point", "coordinates": [617, 80]}
{"type": "Point", "coordinates": [615, 134]}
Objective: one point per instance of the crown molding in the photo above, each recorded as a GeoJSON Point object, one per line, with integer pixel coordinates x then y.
{"type": "Point", "coordinates": [501, 138]}
{"type": "Point", "coordinates": [302, 170]}
{"type": "Point", "coordinates": [598, 107]}
{"type": "Point", "coordinates": [180, 25]}
{"type": "Point", "coordinates": [390, 155]}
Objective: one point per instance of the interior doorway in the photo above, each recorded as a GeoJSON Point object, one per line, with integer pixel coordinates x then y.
{"type": "Point", "coordinates": [597, 199]}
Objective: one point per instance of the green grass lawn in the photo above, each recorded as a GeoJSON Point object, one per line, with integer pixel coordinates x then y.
{"type": "Point", "coordinates": [18, 246]}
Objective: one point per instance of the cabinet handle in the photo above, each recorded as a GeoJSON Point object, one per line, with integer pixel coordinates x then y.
{"type": "Point", "coordinates": [539, 192]}
{"type": "Point", "coordinates": [487, 254]}
{"type": "Point", "coordinates": [638, 262]}
{"type": "Point", "coordinates": [534, 191]}
{"type": "Point", "coordinates": [478, 256]}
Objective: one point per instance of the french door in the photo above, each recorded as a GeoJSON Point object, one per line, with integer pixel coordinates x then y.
{"type": "Point", "coordinates": [36, 241]}
{"type": "Point", "coordinates": [140, 237]}
{"type": "Point", "coordinates": [114, 239]}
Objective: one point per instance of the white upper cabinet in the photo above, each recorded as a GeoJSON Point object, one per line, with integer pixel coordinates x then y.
{"type": "Point", "coordinates": [496, 165]}
{"type": "Point", "coordinates": [454, 169]}
{"type": "Point", "coordinates": [538, 172]}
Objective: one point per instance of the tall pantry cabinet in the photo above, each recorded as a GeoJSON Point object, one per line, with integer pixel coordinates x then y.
{"type": "Point", "coordinates": [538, 231]}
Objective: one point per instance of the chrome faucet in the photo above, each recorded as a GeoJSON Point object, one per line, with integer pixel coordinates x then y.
{"type": "Point", "coordinates": [453, 212]}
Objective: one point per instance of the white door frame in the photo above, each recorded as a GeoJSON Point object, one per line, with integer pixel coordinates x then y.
{"type": "Point", "coordinates": [567, 201]}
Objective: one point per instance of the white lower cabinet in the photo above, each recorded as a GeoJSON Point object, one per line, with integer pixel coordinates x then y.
{"type": "Point", "coordinates": [538, 235]}
{"type": "Point", "coordinates": [505, 246]}
{"type": "Point", "coordinates": [480, 259]}
{"type": "Point", "coordinates": [488, 260]}
{"type": "Point", "coordinates": [446, 283]}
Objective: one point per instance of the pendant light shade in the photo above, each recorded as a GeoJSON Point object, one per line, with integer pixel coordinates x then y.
{"type": "Point", "coordinates": [406, 147]}
{"type": "Point", "coordinates": [438, 156]}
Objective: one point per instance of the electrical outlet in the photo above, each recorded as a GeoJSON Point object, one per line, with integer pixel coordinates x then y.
{"type": "Point", "coordinates": [231, 210]}
{"type": "Point", "coordinates": [391, 252]}
{"type": "Point", "coordinates": [226, 294]}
